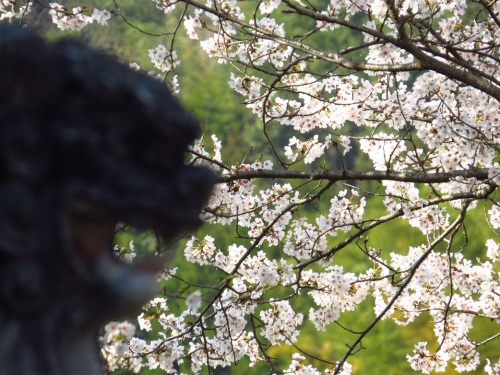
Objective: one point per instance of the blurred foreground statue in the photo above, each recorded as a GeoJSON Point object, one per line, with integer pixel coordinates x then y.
{"type": "Point", "coordinates": [85, 143]}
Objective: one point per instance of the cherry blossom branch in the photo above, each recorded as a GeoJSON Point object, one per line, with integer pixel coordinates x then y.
{"type": "Point", "coordinates": [377, 222]}
{"type": "Point", "coordinates": [209, 159]}
{"type": "Point", "coordinates": [465, 75]}
{"type": "Point", "coordinates": [225, 283]}
{"type": "Point", "coordinates": [253, 30]}
{"type": "Point", "coordinates": [488, 6]}
{"type": "Point", "coordinates": [480, 174]}
{"type": "Point", "coordinates": [426, 61]}
{"type": "Point", "coordinates": [405, 283]}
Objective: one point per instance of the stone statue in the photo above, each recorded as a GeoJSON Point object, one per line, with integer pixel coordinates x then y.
{"type": "Point", "coordinates": [85, 143]}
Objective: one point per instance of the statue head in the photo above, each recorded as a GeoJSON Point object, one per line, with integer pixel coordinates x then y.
{"type": "Point", "coordinates": [85, 143]}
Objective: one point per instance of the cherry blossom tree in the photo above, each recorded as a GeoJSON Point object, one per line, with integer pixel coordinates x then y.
{"type": "Point", "coordinates": [399, 124]}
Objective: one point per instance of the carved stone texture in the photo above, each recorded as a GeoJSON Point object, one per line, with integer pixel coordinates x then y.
{"type": "Point", "coordinates": [85, 143]}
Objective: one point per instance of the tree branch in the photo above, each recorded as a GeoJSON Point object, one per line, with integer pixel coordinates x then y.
{"type": "Point", "coordinates": [426, 61]}
{"type": "Point", "coordinates": [480, 174]}
{"type": "Point", "coordinates": [333, 57]}
{"type": "Point", "coordinates": [405, 284]}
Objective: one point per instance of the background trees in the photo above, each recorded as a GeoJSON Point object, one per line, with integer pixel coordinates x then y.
{"type": "Point", "coordinates": [360, 194]}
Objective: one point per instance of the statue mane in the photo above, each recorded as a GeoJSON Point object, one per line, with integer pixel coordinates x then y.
{"type": "Point", "coordinates": [85, 143]}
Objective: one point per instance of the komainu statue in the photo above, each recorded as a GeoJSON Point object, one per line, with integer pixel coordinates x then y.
{"type": "Point", "coordinates": [85, 143]}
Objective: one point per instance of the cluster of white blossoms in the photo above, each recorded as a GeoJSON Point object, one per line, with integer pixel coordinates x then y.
{"type": "Point", "coordinates": [280, 321]}
{"type": "Point", "coordinates": [78, 17]}
{"type": "Point", "coordinates": [424, 116]}
{"type": "Point", "coordinates": [333, 292]}
{"type": "Point", "coordinates": [308, 151]}
{"type": "Point", "coordinates": [125, 254]}
{"type": "Point", "coordinates": [163, 59]}
{"type": "Point", "coordinates": [166, 6]}
{"type": "Point", "coordinates": [475, 293]}
{"type": "Point", "coordinates": [495, 370]}
{"type": "Point", "coordinates": [297, 367]}
{"type": "Point", "coordinates": [116, 343]}
{"type": "Point", "coordinates": [10, 9]}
